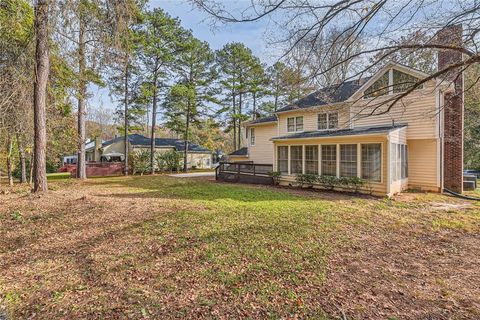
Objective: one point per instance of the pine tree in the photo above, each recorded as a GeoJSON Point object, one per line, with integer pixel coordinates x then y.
{"type": "Point", "coordinates": [235, 64]}
{"type": "Point", "coordinates": [190, 97]}
{"type": "Point", "coordinates": [159, 38]}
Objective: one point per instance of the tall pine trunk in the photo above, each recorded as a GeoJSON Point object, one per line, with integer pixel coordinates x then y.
{"type": "Point", "coordinates": [42, 65]}
{"type": "Point", "coordinates": [254, 105]}
{"type": "Point", "coordinates": [234, 118]}
{"type": "Point", "coordinates": [154, 123]}
{"type": "Point", "coordinates": [125, 101]}
{"type": "Point", "coordinates": [9, 161]}
{"type": "Point", "coordinates": [82, 90]}
{"type": "Point", "coordinates": [187, 127]}
{"type": "Point", "coordinates": [240, 95]}
{"type": "Point", "coordinates": [23, 165]}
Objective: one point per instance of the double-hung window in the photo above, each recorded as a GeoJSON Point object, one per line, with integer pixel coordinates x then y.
{"type": "Point", "coordinates": [327, 121]}
{"type": "Point", "coordinates": [296, 159]}
{"type": "Point", "coordinates": [252, 136]}
{"type": "Point", "coordinates": [329, 160]}
{"type": "Point", "coordinates": [282, 162]}
{"type": "Point", "coordinates": [348, 160]}
{"type": "Point", "coordinates": [311, 159]}
{"type": "Point", "coordinates": [372, 161]}
{"type": "Point", "coordinates": [295, 124]}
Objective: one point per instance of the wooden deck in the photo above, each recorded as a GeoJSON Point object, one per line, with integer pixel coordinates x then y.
{"type": "Point", "coordinates": [244, 172]}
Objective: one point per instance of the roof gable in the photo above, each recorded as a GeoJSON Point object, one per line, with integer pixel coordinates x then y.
{"type": "Point", "coordinates": [330, 95]}
{"type": "Point", "coordinates": [391, 65]}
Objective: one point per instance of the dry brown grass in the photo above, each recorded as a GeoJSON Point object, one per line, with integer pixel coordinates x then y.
{"type": "Point", "coordinates": [160, 247]}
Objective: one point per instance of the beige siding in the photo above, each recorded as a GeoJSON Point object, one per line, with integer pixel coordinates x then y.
{"type": "Point", "coordinates": [262, 151]}
{"type": "Point", "coordinates": [399, 136]}
{"type": "Point", "coordinates": [378, 188]}
{"type": "Point", "coordinates": [117, 147]}
{"type": "Point", "coordinates": [418, 111]}
{"type": "Point", "coordinates": [237, 159]}
{"type": "Point", "coordinates": [310, 118]}
{"type": "Point", "coordinates": [199, 160]}
{"type": "Point", "coordinates": [423, 164]}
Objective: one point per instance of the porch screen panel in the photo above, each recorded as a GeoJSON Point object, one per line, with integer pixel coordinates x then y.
{"type": "Point", "coordinates": [404, 161]}
{"type": "Point", "coordinates": [311, 159]}
{"type": "Point", "coordinates": [283, 160]}
{"type": "Point", "coordinates": [371, 162]}
{"type": "Point", "coordinates": [296, 159]}
{"type": "Point", "coordinates": [348, 160]}
{"type": "Point", "coordinates": [329, 160]}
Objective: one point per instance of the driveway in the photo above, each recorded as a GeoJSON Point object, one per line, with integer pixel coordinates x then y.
{"type": "Point", "coordinates": [193, 174]}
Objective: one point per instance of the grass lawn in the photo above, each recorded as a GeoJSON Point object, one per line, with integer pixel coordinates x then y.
{"type": "Point", "coordinates": [162, 247]}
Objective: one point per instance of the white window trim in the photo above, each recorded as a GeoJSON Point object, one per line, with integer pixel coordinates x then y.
{"type": "Point", "coordinates": [328, 120]}
{"type": "Point", "coordinates": [295, 124]}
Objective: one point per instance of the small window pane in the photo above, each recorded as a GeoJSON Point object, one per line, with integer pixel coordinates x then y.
{"type": "Point", "coordinates": [403, 81]}
{"type": "Point", "coordinates": [296, 159]}
{"type": "Point", "coordinates": [371, 162]}
{"type": "Point", "coordinates": [322, 121]}
{"type": "Point", "coordinates": [348, 160]}
{"type": "Point", "coordinates": [291, 124]}
{"type": "Point", "coordinates": [283, 159]}
{"type": "Point", "coordinates": [333, 120]}
{"type": "Point", "coordinates": [379, 87]}
{"type": "Point", "coordinates": [252, 136]}
{"type": "Point", "coordinates": [311, 159]}
{"type": "Point", "coordinates": [329, 160]}
{"type": "Point", "coordinates": [299, 124]}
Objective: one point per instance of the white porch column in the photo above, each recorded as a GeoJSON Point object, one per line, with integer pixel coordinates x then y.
{"type": "Point", "coordinates": [338, 160]}
{"type": "Point", "coordinates": [303, 159]}
{"type": "Point", "coordinates": [319, 159]}
{"type": "Point", "coordinates": [289, 173]}
{"type": "Point", "coordinates": [359, 160]}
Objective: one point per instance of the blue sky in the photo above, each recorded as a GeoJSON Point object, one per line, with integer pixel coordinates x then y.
{"type": "Point", "coordinates": [251, 34]}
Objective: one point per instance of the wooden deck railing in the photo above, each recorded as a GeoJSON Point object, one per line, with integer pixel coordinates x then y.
{"type": "Point", "coordinates": [244, 172]}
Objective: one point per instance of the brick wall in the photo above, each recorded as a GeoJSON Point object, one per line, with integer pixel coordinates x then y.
{"type": "Point", "coordinates": [453, 110]}
{"type": "Point", "coordinates": [101, 169]}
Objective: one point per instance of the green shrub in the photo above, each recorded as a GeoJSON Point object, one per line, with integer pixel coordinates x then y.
{"type": "Point", "coordinates": [329, 182]}
{"type": "Point", "coordinates": [356, 183]}
{"type": "Point", "coordinates": [275, 176]}
{"type": "Point", "coordinates": [171, 160]}
{"type": "Point", "coordinates": [140, 161]}
{"type": "Point", "coordinates": [307, 179]}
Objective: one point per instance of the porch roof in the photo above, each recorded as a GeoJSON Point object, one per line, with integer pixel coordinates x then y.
{"type": "Point", "coordinates": [341, 133]}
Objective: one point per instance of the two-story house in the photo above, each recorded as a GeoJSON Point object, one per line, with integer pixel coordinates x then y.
{"type": "Point", "coordinates": [352, 129]}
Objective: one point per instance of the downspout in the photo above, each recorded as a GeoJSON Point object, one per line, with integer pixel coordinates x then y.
{"type": "Point", "coordinates": [388, 160]}
{"type": "Point", "coordinates": [441, 137]}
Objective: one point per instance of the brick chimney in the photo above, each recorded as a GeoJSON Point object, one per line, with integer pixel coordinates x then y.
{"type": "Point", "coordinates": [453, 110]}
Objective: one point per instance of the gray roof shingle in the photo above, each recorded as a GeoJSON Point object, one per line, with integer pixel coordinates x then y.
{"type": "Point", "coordinates": [264, 120]}
{"type": "Point", "coordinates": [139, 140]}
{"type": "Point", "coordinates": [239, 152]}
{"type": "Point", "coordinates": [333, 94]}
{"type": "Point", "coordinates": [339, 133]}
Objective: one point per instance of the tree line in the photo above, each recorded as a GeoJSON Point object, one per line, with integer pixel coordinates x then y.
{"type": "Point", "coordinates": [53, 53]}
{"type": "Point", "coordinates": [163, 78]}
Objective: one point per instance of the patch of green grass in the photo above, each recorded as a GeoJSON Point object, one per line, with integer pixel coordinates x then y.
{"type": "Point", "coordinates": [58, 176]}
